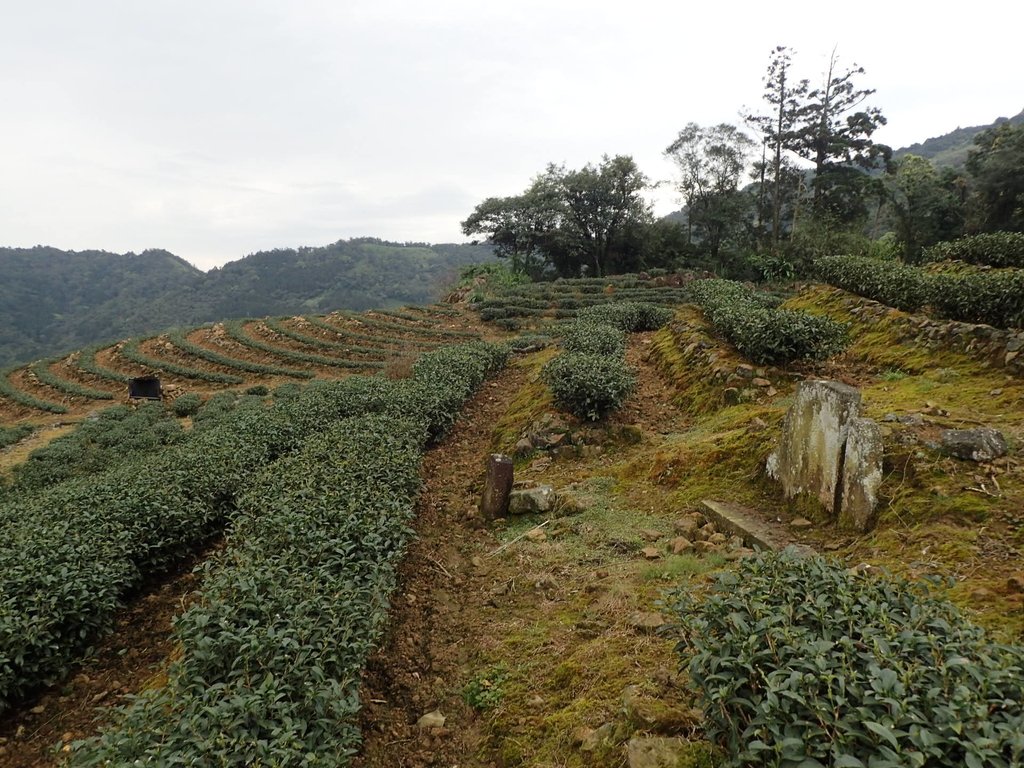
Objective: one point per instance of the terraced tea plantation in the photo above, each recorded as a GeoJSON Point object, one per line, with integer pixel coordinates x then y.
{"type": "Point", "coordinates": [229, 355]}
{"type": "Point", "coordinates": [285, 564]}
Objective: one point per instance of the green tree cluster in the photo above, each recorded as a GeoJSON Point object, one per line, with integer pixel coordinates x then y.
{"type": "Point", "coordinates": [592, 220]}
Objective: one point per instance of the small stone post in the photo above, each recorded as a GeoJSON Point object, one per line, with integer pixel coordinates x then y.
{"type": "Point", "coordinates": [497, 487]}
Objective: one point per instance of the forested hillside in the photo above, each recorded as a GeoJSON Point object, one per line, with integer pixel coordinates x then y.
{"type": "Point", "coordinates": [950, 149]}
{"type": "Point", "coordinates": [53, 300]}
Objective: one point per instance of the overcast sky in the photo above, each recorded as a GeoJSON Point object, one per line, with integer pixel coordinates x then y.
{"type": "Point", "coordinates": [216, 128]}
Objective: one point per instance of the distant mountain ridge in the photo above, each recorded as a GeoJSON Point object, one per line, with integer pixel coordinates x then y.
{"type": "Point", "coordinates": [53, 301]}
{"type": "Point", "coordinates": [951, 148]}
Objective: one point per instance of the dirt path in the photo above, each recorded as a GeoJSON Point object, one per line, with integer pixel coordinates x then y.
{"type": "Point", "coordinates": [437, 612]}
{"type": "Point", "coordinates": [529, 645]}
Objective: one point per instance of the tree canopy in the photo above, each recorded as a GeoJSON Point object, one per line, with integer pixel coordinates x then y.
{"type": "Point", "coordinates": [572, 221]}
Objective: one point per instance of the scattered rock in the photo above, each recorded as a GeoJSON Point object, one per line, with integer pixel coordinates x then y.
{"type": "Point", "coordinates": [1015, 583]}
{"type": "Point", "coordinates": [718, 539]}
{"type": "Point", "coordinates": [523, 447]}
{"type": "Point", "coordinates": [546, 583]}
{"type": "Point", "coordinates": [38, 710]}
{"type": "Point", "coordinates": [981, 444]}
{"type": "Point", "coordinates": [539, 465]}
{"type": "Point", "coordinates": [646, 622]}
{"type": "Point", "coordinates": [651, 553]}
{"type": "Point", "coordinates": [680, 545]}
{"type": "Point", "coordinates": [568, 506]}
{"type": "Point", "coordinates": [758, 382]}
{"type": "Point", "coordinates": [706, 531]}
{"type": "Point", "coordinates": [739, 554]}
{"type": "Point", "coordinates": [649, 534]}
{"type": "Point", "coordinates": [913, 419]}
{"type": "Point", "coordinates": [688, 526]}
{"type": "Point", "coordinates": [654, 752]}
{"type": "Point", "coordinates": [731, 396]}
{"type": "Point", "coordinates": [431, 720]}
{"type": "Point", "coordinates": [566, 452]}
{"type": "Point", "coordinates": [592, 739]}
{"type": "Point", "coordinates": [651, 714]}
{"type": "Point", "coordinates": [981, 594]}
{"type": "Point", "coordinates": [536, 535]}
{"type": "Point", "coordinates": [800, 522]}
{"type": "Point", "coordinates": [527, 501]}
{"type": "Point", "coordinates": [706, 546]}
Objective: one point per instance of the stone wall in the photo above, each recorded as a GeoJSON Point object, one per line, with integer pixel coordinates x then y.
{"type": "Point", "coordinates": [999, 347]}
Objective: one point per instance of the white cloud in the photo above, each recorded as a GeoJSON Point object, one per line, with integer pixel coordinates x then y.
{"type": "Point", "coordinates": [216, 129]}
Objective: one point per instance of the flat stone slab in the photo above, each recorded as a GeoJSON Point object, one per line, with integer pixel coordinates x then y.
{"type": "Point", "coordinates": [735, 520]}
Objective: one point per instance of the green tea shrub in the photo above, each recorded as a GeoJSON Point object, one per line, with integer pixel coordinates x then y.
{"type": "Point", "coordinates": [87, 362]}
{"type": "Point", "coordinates": [274, 646]}
{"type": "Point", "coordinates": [41, 370]}
{"type": "Point", "coordinates": [103, 441]}
{"type": "Point", "coordinates": [588, 386]}
{"type": "Point", "coordinates": [594, 338]}
{"type": "Point", "coordinates": [11, 392]}
{"type": "Point", "coordinates": [995, 298]}
{"type": "Point", "coordinates": [994, 249]}
{"type": "Point", "coordinates": [258, 390]}
{"type": "Point", "coordinates": [11, 435]}
{"type": "Point", "coordinates": [180, 340]}
{"type": "Point", "coordinates": [628, 316]}
{"type": "Point", "coordinates": [798, 662]}
{"type": "Point", "coordinates": [186, 405]}
{"type": "Point", "coordinates": [236, 331]}
{"type": "Point", "coordinates": [893, 283]}
{"type": "Point", "coordinates": [761, 332]}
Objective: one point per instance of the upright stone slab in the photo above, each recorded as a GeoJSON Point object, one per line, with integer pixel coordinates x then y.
{"type": "Point", "coordinates": [497, 487]}
{"type": "Point", "coordinates": [810, 454]}
{"type": "Point", "coordinates": [861, 475]}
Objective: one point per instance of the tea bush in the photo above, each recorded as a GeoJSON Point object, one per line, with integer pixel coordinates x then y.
{"type": "Point", "coordinates": [594, 338]}
{"type": "Point", "coordinates": [994, 249]}
{"type": "Point", "coordinates": [273, 649]}
{"type": "Point", "coordinates": [186, 405]}
{"type": "Point", "coordinates": [589, 386]}
{"type": "Point", "coordinates": [995, 298]}
{"type": "Point", "coordinates": [315, 341]}
{"type": "Point", "coordinates": [180, 340]}
{"type": "Point", "coordinates": [87, 362]}
{"type": "Point", "coordinates": [14, 394]}
{"type": "Point", "coordinates": [130, 350]}
{"type": "Point", "coordinates": [761, 332]}
{"type": "Point", "coordinates": [386, 342]}
{"type": "Point", "coordinates": [102, 441]}
{"type": "Point", "coordinates": [889, 282]}
{"type": "Point", "coordinates": [236, 331]}
{"type": "Point", "coordinates": [798, 662]}
{"type": "Point", "coordinates": [41, 370]}
{"type": "Point", "coordinates": [628, 316]}
{"type": "Point", "coordinates": [12, 435]}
